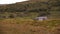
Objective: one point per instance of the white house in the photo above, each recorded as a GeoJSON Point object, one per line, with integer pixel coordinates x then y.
{"type": "Point", "coordinates": [41, 18]}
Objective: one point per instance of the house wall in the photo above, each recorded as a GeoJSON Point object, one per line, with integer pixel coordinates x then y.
{"type": "Point", "coordinates": [42, 18]}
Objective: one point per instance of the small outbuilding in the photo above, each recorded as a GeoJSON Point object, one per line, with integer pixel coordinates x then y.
{"type": "Point", "coordinates": [41, 17]}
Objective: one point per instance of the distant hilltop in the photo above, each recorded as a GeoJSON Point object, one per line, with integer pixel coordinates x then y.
{"type": "Point", "coordinates": [30, 1]}
{"type": "Point", "coordinates": [2, 4]}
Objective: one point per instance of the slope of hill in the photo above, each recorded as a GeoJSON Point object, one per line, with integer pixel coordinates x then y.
{"type": "Point", "coordinates": [18, 18]}
{"type": "Point", "coordinates": [38, 6]}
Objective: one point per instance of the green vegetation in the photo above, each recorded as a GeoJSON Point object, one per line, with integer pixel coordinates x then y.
{"type": "Point", "coordinates": [49, 8]}
{"type": "Point", "coordinates": [18, 18]}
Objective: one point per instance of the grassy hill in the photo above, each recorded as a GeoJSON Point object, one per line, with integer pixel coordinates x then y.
{"type": "Point", "coordinates": [38, 7]}
{"type": "Point", "coordinates": [18, 18]}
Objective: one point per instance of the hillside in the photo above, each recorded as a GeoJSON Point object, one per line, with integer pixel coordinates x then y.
{"type": "Point", "coordinates": [38, 7]}
{"type": "Point", "coordinates": [18, 18]}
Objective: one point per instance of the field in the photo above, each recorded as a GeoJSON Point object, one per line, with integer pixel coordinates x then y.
{"type": "Point", "coordinates": [29, 26]}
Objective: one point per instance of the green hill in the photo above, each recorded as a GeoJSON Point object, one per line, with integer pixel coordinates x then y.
{"type": "Point", "coordinates": [38, 7]}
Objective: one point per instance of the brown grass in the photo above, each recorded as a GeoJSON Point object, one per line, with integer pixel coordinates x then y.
{"type": "Point", "coordinates": [28, 26]}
